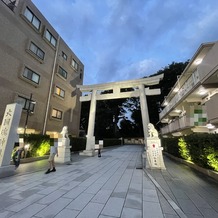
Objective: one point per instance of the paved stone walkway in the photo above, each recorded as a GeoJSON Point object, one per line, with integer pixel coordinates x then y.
{"type": "Point", "coordinates": [194, 193]}
{"type": "Point", "coordinates": [108, 187]}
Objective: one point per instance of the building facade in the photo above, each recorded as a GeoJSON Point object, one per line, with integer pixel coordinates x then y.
{"type": "Point", "coordinates": [192, 104]}
{"type": "Point", "coordinates": [37, 70]}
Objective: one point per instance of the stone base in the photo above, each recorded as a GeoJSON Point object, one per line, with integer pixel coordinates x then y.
{"type": "Point", "coordinates": [7, 171]}
{"type": "Point", "coordinates": [64, 155]}
{"type": "Point", "coordinates": [90, 153]}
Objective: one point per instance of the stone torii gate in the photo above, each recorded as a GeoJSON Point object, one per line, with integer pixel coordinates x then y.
{"type": "Point", "coordinates": [93, 93]}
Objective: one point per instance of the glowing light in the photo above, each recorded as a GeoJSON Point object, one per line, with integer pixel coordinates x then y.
{"type": "Point", "coordinates": [27, 146]}
{"type": "Point", "coordinates": [210, 126]}
{"type": "Point", "coordinates": [176, 89]}
{"type": "Point", "coordinates": [202, 91]}
{"type": "Point", "coordinates": [165, 103]}
{"type": "Point", "coordinates": [198, 61]}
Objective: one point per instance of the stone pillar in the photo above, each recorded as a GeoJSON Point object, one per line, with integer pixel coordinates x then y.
{"type": "Point", "coordinates": [64, 153]}
{"type": "Point", "coordinates": [144, 110]}
{"type": "Point", "coordinates": [154, 157]}
{"type": "Point", "coordinates": [90, 143]}
{"type": "Point", "coordinates": [8, 136]}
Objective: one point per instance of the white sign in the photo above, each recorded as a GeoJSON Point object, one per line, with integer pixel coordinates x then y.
{"type": "Point", "coordinates": [8, 132]}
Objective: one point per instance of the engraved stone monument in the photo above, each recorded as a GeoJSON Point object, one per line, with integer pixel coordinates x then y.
{"type": "Point", "coordinates": [8, 136]}
{"type": "Point", "coordinates": [154, 157]}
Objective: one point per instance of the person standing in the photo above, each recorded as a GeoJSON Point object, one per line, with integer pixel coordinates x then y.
{"type": "Point", "coordinates": [51, 159]}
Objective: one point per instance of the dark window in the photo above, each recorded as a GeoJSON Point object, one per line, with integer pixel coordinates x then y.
{"type": "Point", "coordinates": [74, 64]}
{"type": "Point", "coordinates": [31, 75]}
{"type": "Point", "coordinates": [37, 51]}
{"type": "Point", "coordinates": [62, 72]}
{"type": "Point", "coordinates": [32, 18]}
{"type": "Point", "coordinates": [64, 55]}
{"type": "Point", "coordinates": [50, 38]}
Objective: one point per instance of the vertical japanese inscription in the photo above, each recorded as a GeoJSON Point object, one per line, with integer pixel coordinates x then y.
{"type": "Point", "coordinates": [8, 132]}
{"type": "Point", "coordinates": [4, 132]}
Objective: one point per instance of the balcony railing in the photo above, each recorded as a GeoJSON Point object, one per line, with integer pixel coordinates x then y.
{"type": "Point", "coordinates": [177, 125]}
{"type": "Point", "coordinates": [183, 91]}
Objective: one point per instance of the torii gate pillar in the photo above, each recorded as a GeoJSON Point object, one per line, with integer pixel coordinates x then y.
{"type": "Point", "coordinates": [144, 110]}
{"type": "Point", "coordinates": [90, 138]}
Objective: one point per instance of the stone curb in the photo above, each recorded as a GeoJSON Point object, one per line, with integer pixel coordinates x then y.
{"type": "Point", "coordinates": [31, 159]}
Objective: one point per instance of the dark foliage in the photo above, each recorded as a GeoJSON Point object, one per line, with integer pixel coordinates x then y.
{"type": "Point", "coordinates": [202, 148]}
{"type": "Point", "coordinates": [77, 143]}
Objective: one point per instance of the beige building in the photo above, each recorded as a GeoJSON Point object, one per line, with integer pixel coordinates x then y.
{"type": "Point", "coordinates": [192, 104]}
{"type": "Point", "coordinates": [37, 70]}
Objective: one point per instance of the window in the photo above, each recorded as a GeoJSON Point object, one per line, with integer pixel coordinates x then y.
{"type": "Point", "coordinates": [60, 92]}
{"type": "Point", "coordinates": [56, 114]}
{"type": "Point", "coordinates": [62, 72]}
{"type": "Point", "coordinates": [31, 75]}
{"type": "Point", "coordinates": [74, 64]}
{"type": "Point", "coordinates": [32, 18]}
{"type": "Point", "coordinates": [37, 51]}
{"type": "Point", "coordinates": [64, 55]}
{"type": "Point", "coordinates": [50, 38]}
{"type": "Point", "coordinates": [26, 103]}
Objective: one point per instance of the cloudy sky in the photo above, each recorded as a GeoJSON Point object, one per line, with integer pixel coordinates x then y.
{"type": "Point", "coordinates": [128, 39]}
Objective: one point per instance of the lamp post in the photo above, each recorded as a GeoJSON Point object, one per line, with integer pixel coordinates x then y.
{"type": "Point", "coordinates": [28, 112]}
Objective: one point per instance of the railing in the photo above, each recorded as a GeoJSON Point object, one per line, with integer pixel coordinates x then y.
{"type": "Point", "coordinates": [176, 125]}
{"type": "Point", "coordinates": [11, 3]}
{"type": "Point", "coordinates": [183, 91]}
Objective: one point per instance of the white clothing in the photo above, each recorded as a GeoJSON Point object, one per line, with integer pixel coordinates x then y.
{"type": "Point", "coordinates": [54, 149]}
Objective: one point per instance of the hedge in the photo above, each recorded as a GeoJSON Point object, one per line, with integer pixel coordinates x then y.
{"type": "Point", "coordinates": [200, 148]}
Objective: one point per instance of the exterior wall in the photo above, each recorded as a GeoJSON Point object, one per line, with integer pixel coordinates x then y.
{"type": "Point", "coordinates": [16, 36]}
{"type": "Point", "coordinates": [212, 109]}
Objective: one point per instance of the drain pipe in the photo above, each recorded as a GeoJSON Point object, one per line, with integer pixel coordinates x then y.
{"type": "Point", "coordinates": [50, 88]}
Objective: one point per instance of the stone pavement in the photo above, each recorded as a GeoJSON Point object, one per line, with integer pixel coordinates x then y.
{"type": "Point", "coordinates": [111, 186]}
{"type": "Point", "coordinates": [194, 193]}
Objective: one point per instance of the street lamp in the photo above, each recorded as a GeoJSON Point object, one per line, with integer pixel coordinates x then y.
{"type": "Point", "coordinates": [29, 110]}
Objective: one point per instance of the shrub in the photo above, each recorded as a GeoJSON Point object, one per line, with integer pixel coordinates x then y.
{"type": "Point", "coordinates": [39, 145]}
{"type": "Point", "coordinates": [213, 159]}
{"type": "Point", "coordinates": [170, 145]}
{"type": "Point", "coordinates": [201, 148]}
{"type": "Point", "coordinates": [77, 143]}
{"type": "Point", "coordinates": [183, 149]}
